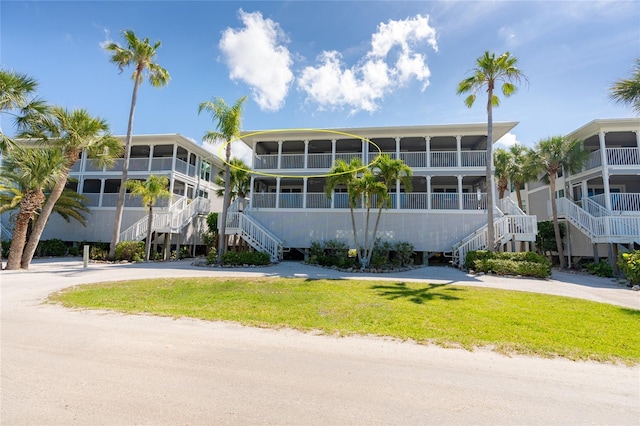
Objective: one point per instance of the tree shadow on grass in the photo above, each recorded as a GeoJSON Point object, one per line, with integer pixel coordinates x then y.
{"type": "Point", "coordinates": [418, 295]}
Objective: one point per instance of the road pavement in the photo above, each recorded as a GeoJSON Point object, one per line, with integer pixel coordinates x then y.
{"type": "Point", "coordinates": [61, 366]}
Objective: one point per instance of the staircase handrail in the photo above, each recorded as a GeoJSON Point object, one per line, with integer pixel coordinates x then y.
{"type": "Point", "coordinates": [257, 235]}
{"type": "Point", "coordinates": [508, 206]}
{"type": "Point", "coordinates": [594, 208]}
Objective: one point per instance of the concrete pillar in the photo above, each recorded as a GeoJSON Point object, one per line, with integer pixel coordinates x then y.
{"type": "Point", "coordinates": [279, 155]}
{"type": "Point", "coordinates": [460, 192]}
{"type": "Point", "coordinates": [605, 170]}
{"type": "Point", "coordinates": [304, 192]}
{"type": "Point", "coordinates": [306, 154]}
{"type": "Point", "coordinates": [459, 150]}
{"type": "Point", "coordinates": [428, 150]}
{"type": "Point", "coordinates": [428, 192]}
{"type": "Point", "coordinates": [278, 192]}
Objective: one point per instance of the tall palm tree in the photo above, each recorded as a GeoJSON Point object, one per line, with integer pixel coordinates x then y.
{"type": "Point", "coordinates": [141, 54]}
{"type": "Point", "coordinates": [228, 120]}
{"type": "Point", "coordinates": [71, 132]}
{"type": "Point", "coordinates": [150, 190]}
{"type": "Point", "coordinates": [488, 72]}
{"type": "Point", "coordinates": [502, 160]}
{"type": "Point", "coordinates": [33, 170]}
{"type": "Point", "coordinates": [553, 155]}
{"type": "Point", "coordinates": [18, 99]}
{"type": "Point", "coordinates": [522, 168]}
{"type": "Point", "coordinates": [627, 90]}
{"type": "Point", "coordinates": [374, 193]}
{"type": "Point", "coordinates": [240, 180]}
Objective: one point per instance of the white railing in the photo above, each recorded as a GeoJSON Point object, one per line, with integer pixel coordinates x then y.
{"type": "Point", "coordinates": [319, 161]}
{"type": "Point", "coordinates": [623, 203]}
{"type": "Point", "coordinates": [623, 156]}
{"type": "Point", "coordinates": [318, 201]}
{"type": "Point", "coordinates": [508, 206]}
{"type": "Point", "coordinates": [414, 200]}
{"type": "Point", "coordinates": [593, 160]}
{"type": "Point", "coordinates": [444, 159]}
{"type": "Point", "coordinates": [139, 164]}
{"type": "Point", "coordinates": [603, 229]}
{"type": "Point", "coordinates": [267, 161]}
{"type": "Point", "coordinates": [161, 163]}
{"type": "Point", "coordinates": [594, 208]}
{"type": "Point", "coordinates": [374, 155]}
{"type": "Point", "coordinates": [255, 234]}
{"type": "Point", "coordinates": [267, 201]}
{"type": "Point", "coordinates": [414, 159]}
{"type": "Point", "coordinates": [292, 161]}
{"type": "Point", "coordinates": [290, 201]}
{"type": "Point", "coordinates": [347, 156]}
{"type": "Point", "coordinates": [447, 201]}
{"type": "Point", "coordinates": [505, 229]}
{"type": "Point", "coordinates": [474, 201]}
{"type": "Point", "coordinates": [474, 158]}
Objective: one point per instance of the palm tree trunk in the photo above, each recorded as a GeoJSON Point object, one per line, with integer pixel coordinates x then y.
{"type": "Point", "coordinates": [43, 217]}
{"type": "Point", "coordinates": [149, 232]}
{"type": "Point", "coordinates": [518, 194]}
{"type": "Point", "coordinates": [373, 240]}
{"type": "Point", "coordinates": [115, 235]}
{"type": "Point", "coordinates": [491, 239]}
{"type": "Point", "coordinates": [365, 254]}
{"type": "Point", "coordinates": [222, 242]}
{"type": "Point", "coordinates": [355, 234]}
{"type": "Point", "coordinates": [556, 225]}
{"type": "Point", "coordinates": [18, 240]}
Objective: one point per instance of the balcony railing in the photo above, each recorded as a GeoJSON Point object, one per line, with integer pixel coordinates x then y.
{"type": "Point", "coordinates": [625, 203]}
{"type": "Point", "coordinates": [615, 157]}
{"type": "Point", "coordinates": [318, 201]}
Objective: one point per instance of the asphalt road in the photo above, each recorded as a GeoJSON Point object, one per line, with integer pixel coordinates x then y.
{"type": "Point", "coordinates": [61, 366]}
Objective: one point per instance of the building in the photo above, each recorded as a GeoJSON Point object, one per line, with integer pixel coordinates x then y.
{"type": "Point", "coordinates": [600, 205]}
{"type": "Point", "coordinates": [444, 214]}
{"type": "Point", "coordinates": [191, 171]}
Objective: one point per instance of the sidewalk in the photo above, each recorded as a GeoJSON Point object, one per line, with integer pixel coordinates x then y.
{"type": "Point", "coordinates": [61, 270]}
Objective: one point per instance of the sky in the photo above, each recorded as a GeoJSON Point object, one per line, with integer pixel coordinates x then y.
{"type": "Point", "coordinates": [328, 64]}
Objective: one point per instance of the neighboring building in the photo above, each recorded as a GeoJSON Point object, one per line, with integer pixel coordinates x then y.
{"type": "Point", "coordinates": [191, 171]}
{"type": "Point", "coordinates": [443, 214]}
{"type": "Point", "coordinates": [601, 204]}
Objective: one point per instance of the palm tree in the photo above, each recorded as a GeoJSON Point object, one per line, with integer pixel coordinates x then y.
{"type": "Point", "coordinates": [17, 98]}
{"type": "Point", "coordinates": [228, 120]}
{"type": "Point", "coordinates": [71, 132]}
{"type": "Point", "coordinates": [240, 180]}
{"type": "Point", "coordinates": [553, 155]}
{"type": "Point", "coordinates": [522, 169]}
{"type": "Point", "coordinates": [32, 170]}
{"type": "Point", "coordinates": [627, 90]}
{"type": "Point", "coordinates": [488, 72]}
{"type": "Point", "coordinates": [502, 162]}
{"type": "Point", "coordinates": [150, 190]}
{"type": "Point", "coordinates": [141, 54]}
{"type": "Point", "coordinates": [374, 193]}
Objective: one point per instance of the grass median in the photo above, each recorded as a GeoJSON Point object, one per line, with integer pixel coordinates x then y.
{"type": "Point", "coordinates": [442, 314]}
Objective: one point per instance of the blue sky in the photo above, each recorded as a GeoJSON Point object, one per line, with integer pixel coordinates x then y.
{"type": "Point", "coordinates": [328, 64]}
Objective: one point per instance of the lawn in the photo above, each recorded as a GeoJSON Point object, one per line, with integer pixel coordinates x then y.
{"type": "Point", "coordinates": [447, 315]}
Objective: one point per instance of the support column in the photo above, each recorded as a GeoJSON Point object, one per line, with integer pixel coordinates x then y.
{"type": "Point", "coordinates": [363, 148]}
{"type": "Point", "coordinates": [585, 190]}
{"type": "Point", "coordinates": [398, 148]}
{"type": "Point", "coordinates": [151, 147]}
{"type": "Point", "coordinates": [102, 192]}
{"type": "Point", "coordinates": [459, 192]}
{"type": "Point", "coordinates": [397, 194]}
{"type": "Point", "coordinates": [278, 192]}
{"type": "Point", "coordinates": [279, 155]}
{"type": "Point", "coordinates": [428, 150]}
{"type": "Point", "coordinates": [637, 132]}
{"type": "Point", "coordinates": [252, 190]}
{"type": "Point", "coordinates": [306, 154]}
{"type": "Point", "coordinates": [333, 154]}
{"type": "Point", "coordinates": [304, 192]}
{"type": "Point", "coordinates": [175, 156]}
{"type": "Point", "coordinates": [428, 192]}
{"type": "Point", "coordinates": [605, 170]}
{"type": "Point", "coordinates": [459, 150]}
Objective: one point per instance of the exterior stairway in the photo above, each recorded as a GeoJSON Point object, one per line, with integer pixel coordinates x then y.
{"type": "Point", "coordinates": [600, 224]}
{"type": "Point", "coordinates": [510, 224]}
{"type": "Point", "coordinates": [171, 220]}
{"type": "Point", "coordinates": [255, 234]}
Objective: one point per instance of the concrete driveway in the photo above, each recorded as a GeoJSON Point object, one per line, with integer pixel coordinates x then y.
{"type": "Point", "coordinates": [62, 366]}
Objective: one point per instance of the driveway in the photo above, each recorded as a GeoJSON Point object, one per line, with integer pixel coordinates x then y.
{"type": "Point", "coordinates": [62, 366]}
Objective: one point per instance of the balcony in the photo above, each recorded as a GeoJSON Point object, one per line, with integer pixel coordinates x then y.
{"type": "Point", "coordinates": [615, 157]}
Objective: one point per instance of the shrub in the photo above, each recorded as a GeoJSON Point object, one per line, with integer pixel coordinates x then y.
{"type": "Point", "coordinates": [184, 253]}
{"type": "Point", "coordinates": [527, 264]}
{"type": "Point", "coordinates": [246, 258]}
{"type": "Point", "coordinates": [403, 252]}
{"type": "Point", "coordinates": [74, 251]}
{"type": "Point", "coordinates": [601, 269]}
{"type": "Point", "coordinates": [53, 247]}
{"type": "Point", "coordinates": [629, 264]}
{"type": "Point", "coordinates": [5, 248]}
{"type": "Point", "coordinates": [99, 251]}
{"type": "Point", "coordinates": [132, 251]}
{"type": "Point", "coordinates": [212, 256]}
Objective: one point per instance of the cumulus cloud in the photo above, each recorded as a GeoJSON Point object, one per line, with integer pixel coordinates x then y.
{"type": "Point", "coordinates": [255, 55]}
{"type": "Point", "coordinates": [391, 62]}
{"type": "Point", "coordinates": [507, 141]}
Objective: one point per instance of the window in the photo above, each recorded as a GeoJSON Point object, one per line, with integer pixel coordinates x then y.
{"type": "Point", "coordinates": [205, 171]}
{"type": "Point", "coordinates": [560, 193]}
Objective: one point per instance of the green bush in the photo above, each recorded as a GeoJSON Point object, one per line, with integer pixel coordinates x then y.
{"type": "Point", "coordinates": [212, 256]}
{"type": "Point", "coordinates": [5, 248]}
{"type": "Point", "coordinates": [246, 258]}
{"type": "Point", "coordinates": [403, 252]}
{"type": "Point", "coordinates": [601, 269]}
{"type": "Point", "coordinates": [629, 264]}
{"type": "Point", "coordinates": [53, 247]}
{"type": "Point", "coordinates": [74, 251]}
{"type": "Point", "coordinates": [99, 251]}
{"type": "Point", "coordinates": [184, 253]}
{"type": "Point", "coordinates": [133, 251]}
{"type": "Point", "coordinates": [526, 264]}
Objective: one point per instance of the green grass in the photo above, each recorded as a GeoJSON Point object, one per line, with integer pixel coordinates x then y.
{"type": "Point", "coordinates": [447, 315]}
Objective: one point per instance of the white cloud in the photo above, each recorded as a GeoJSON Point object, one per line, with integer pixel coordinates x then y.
{"type": "Point", "coordinates": [239, 149]}
{"type": "Point", "coordinates": [507, 141]}
{"type": "Point", "coordinates": [107, 38]}
{"type": "Point", "coordinates": [379, 72]}
{"type": "Point", "coordinates": [255, 55]}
